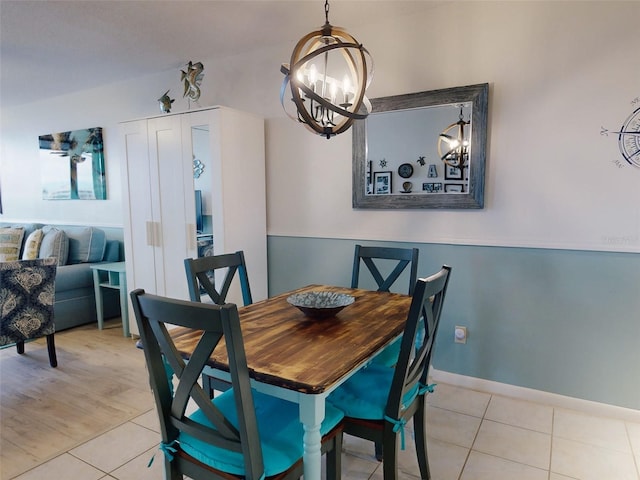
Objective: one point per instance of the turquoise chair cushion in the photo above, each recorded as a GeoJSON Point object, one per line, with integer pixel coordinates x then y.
{"type": "Point", "coordinates": [389, 356]}
{"type": "Point", "coordinates": [278, 425]}
{"type": "Point", "coordinates": [365, 394]}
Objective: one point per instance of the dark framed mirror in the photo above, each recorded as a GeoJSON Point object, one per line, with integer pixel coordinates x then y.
{"type": "Point", "coordinates": [422, 150]}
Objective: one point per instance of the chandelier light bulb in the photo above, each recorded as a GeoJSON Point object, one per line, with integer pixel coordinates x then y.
{"type": "Point", "coordinates": [313, 75]}
{"type": "Point", "coordinates": [346, 88]}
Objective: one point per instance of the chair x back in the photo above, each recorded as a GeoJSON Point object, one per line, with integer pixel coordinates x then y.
{"type": "Point", "coordinates": [379, 401]}
{"type": "Point", "coordinates": [372, 257]}
{"type": "Point", "coordinates": [378, 260]}
{"type": "Point", "coordinates": [232, 435]}
{"type": "Point", "coordinates": [200, 274]}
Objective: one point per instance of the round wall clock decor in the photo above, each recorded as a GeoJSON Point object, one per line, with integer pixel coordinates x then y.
{"type": "Point", "coordinates": [405, 170]}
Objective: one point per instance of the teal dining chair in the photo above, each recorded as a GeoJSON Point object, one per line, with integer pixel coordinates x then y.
{"type": "Point", "coordinates": [379, 262]}
{"type": "Point", "coordinates": [200, 276]}
{"type": "Point", "coordinates": [201, 279]}
{"type": "Point", "coordinates": [384, 265]}
{"type": "Point", "coordinates": [240, 434]}
{"type": "Point", "coordinates": [379, 401]}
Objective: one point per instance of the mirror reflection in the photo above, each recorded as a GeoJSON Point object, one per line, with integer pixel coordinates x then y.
{"type": "Point", "coordinates": [422, 150]}
{"type": "Point", "coordinates": [202, 183]}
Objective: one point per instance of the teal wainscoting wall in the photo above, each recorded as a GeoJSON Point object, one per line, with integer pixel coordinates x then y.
{"type": "Point", "coordinates": [559, 321]}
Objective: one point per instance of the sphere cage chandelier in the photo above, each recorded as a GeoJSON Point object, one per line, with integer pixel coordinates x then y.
{"type": "Point", "coordinates": [453, 143]}
{"type": "Point", "coordinates": [325, 104]}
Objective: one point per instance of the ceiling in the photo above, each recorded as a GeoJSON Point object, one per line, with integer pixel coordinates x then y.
{"type": "Point", "coordinates": [55, 47]}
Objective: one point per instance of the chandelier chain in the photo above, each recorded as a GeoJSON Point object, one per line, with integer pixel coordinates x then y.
{"type": "Point", "coordinates": [326, 11]}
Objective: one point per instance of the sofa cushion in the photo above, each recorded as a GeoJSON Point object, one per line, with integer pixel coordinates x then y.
{"type": "Point", "coordinates": [86, 244]}
{"type": "Point", "coordinates": [28, 228]}
{"type": "Point", "coordinates": [10, 243]}
{"type": "Point", "coordinates": [73, 278]}
{"type": "Point", "coordinates": [32, 245]}
{"type": "Point", "coordinates": [54, 244]}
{"type": "Point", "coordinates": [112, 251]}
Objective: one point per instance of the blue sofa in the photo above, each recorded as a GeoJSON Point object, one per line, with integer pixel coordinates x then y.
{"type": "Point", "coordinates": [76, 248]}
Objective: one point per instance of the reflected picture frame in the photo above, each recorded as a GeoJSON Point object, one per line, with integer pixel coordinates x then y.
{"type": "Point", "coordinates": [382, 183]}
{"type": "Point", "coordinates": [432, 187]}
{"type": "Point", "coordinates": [452, 173]}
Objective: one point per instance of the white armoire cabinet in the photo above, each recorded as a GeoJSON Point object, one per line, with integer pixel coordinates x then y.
{"type": "Point", "coordinates": [159, 196]}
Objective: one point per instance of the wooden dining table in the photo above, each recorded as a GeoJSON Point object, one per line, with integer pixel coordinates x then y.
{"type": "Point", "coordinates": [302, 359]}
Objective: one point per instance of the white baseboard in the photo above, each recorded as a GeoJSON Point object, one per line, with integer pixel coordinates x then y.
{"type": "Point", "coordinates": [537, 396]}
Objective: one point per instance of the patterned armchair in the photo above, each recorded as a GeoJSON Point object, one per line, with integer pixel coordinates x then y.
{"type": "Point", "coordinates": [27, 291]}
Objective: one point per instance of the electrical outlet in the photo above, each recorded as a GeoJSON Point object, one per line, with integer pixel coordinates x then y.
{"type": "Point", "coordinates": [460, 334]}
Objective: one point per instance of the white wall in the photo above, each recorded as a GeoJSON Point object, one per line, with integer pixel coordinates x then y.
{"type": "Point", "coordinates": [558, 72]}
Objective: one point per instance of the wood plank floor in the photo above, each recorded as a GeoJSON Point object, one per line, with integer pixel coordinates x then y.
{"type": "Point", "coordinates": [100, 382]}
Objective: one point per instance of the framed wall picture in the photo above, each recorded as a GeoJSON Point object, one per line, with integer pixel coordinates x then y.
{"type": "Point", "coordinates": [452, 173]}
{"type": "Point", "coordinates": [382, 183]}
{"type": "Point", "coordinates": [72, 165]}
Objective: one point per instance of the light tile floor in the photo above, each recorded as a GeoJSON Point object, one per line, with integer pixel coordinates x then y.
{"type": "Point", "coordinates": [472, 436]}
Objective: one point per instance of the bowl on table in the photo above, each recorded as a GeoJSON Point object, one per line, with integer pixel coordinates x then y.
{"type": "Point", "coordinates": [320, 304]}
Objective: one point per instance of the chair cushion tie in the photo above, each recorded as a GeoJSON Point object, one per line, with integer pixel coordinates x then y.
{"type": "Point", "coordinates": [167, 449]}
{"type": "Point", "coordinates": [422, 389]}
{"type": "Point", "coordinates": [398, 425]}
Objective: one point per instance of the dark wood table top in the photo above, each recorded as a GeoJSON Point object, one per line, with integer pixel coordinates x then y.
{"type": "Point", "coordinates": [284, 348]}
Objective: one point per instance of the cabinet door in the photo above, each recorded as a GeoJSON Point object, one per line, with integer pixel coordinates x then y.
{"type": "Point", "coordinates": [137, 202]}
{"type": "Point", "coordinates": [239, 195]}
{"type": "Point", "coordinates": [233, 187]}
{"type": "Point", "coordinates": [173, 204]}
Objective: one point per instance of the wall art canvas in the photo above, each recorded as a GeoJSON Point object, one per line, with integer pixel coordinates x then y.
{"type": "Point", "coordinates": [73, 165]}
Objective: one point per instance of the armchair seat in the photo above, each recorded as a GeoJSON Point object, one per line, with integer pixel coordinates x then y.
{"type": "Point", "coordinates": [27, 292]}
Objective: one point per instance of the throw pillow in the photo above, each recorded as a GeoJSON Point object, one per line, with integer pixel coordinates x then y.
{"type": "Point", "coordinates": [54, 244]}
{"type": "Point", "coordinates": [32, 245]}
{"type": "Point", "coordinates": [10, 243]}
{"type": "Point", "coordinates": [28, 230]}
{"type": "Point", "coordinates": [86, 244]}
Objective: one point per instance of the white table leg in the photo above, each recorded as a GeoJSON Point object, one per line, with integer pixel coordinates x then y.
{"type": "Point", "coordinates": [311, 415]}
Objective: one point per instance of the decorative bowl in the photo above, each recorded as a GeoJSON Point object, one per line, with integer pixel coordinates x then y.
{"type": "Point", "coordinates": [320, 304]}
